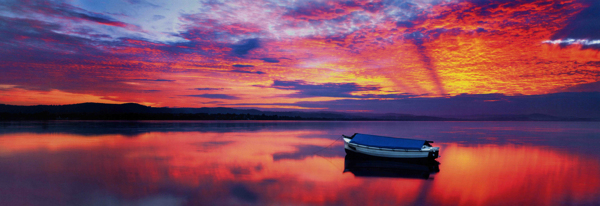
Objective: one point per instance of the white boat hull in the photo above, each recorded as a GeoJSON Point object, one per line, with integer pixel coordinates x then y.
{"type": "Point", "coordinates": [431, 152]}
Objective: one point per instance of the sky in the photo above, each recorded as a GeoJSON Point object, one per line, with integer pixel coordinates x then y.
{"type": "Point", "coordinates": [406, 56]}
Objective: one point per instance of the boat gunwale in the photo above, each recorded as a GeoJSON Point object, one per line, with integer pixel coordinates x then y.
{"type": "Point", "coordinates": [385, 149]}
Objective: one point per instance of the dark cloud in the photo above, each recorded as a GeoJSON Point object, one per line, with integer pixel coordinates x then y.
{"type": "Point", "coordinates": [21, 40]}
{"type": "Point", "coordinates": [208, 32]}
{"type": "Point", "coordinates": [504, 3]}
{"type": "Point", "coordinates": [91, 17]}
{"type": "Point", "coordinates": [387, 96]}
{"type": "Point", "coordinates": [373, 7]}
{"type": "Point", "coordinates": [311, 10]}
{"type": "Point", "coordinates": [247, 72]}
{"type": "Point", "coordinates": [589, 87]}
{"type": "Point", "coordinates": [321, 90]}
{"type": "Point", "coordinates": [156, 80]}
{"type": "Point", "coordinates": [585, 25]}
{"type": "Point", "coordinates": [208, 89]}
{"type": "Point", "coordinates": [24, 42]}
{"type": "Point", "coordinates": [190, 47]}
{"type": "Point", "coordinates": [245, 47]}
{"type": "Point", "coordinates": [214, 96]}
{"type": "Point", "coordinates": [570, 104]}
{"type": "Point", "coordinates": [480, 30]}
{"type": "Point", "coordinates": [64, 11]}
{"type": "Point", "coordinates": [316, 11]}
{"type": "Point", "coordinates": [405, 24]}
{"type": "Point", "coordinates": [242, 65]}
{"type": "Point", "coordinates": [213, 102]}
{"type": "Point", "coordinates": [270, 60]}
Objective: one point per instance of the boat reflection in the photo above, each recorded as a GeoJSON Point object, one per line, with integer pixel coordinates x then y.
{"type": "Point", "coordinates": [368, 166]}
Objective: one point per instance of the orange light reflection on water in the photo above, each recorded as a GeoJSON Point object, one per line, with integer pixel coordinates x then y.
{"type": "Point", "coordinates": [212, 167]}
{"type": "Point", "coordinates": [513, 174]}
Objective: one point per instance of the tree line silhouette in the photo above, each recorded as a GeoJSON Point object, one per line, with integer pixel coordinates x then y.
{"type": "Point", "coordinates": [148, 116]}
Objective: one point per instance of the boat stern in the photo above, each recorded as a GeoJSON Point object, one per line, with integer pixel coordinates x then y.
{"type": "Point", "coordinates": [433, 152]}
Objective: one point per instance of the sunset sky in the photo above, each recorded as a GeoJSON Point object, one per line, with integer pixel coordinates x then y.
{"type": "Point", "coordinates": [353, 56]}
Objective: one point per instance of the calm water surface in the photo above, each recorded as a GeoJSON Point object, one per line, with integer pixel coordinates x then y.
{"type": "Point", "coordinates": [294, 163]}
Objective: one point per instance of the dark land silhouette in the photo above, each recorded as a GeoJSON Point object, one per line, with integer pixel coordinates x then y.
{"type": "Point", "coordinates": [132, 111]}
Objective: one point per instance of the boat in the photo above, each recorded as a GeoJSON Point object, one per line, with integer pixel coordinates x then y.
{"type": "Point", "coordinates": [390, 147]}
{"type": "Point", "coordinates": [370, 166]}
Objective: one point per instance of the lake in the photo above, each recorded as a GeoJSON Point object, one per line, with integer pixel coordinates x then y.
{"type": "Point", "coordinates": [294, 163]}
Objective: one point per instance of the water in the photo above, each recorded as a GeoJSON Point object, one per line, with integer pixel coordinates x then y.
{"type": "Point", "coordinates": [294, 163]}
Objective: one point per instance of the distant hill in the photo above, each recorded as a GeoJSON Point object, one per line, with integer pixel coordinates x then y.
{"type": "Point", "coordinates": [132, 111]}
{"type": "Point", "coordinates": [83, 108]}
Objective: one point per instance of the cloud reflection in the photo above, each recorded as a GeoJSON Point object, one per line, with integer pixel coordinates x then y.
{"type": "Point", "coordinates": [274, 167]}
